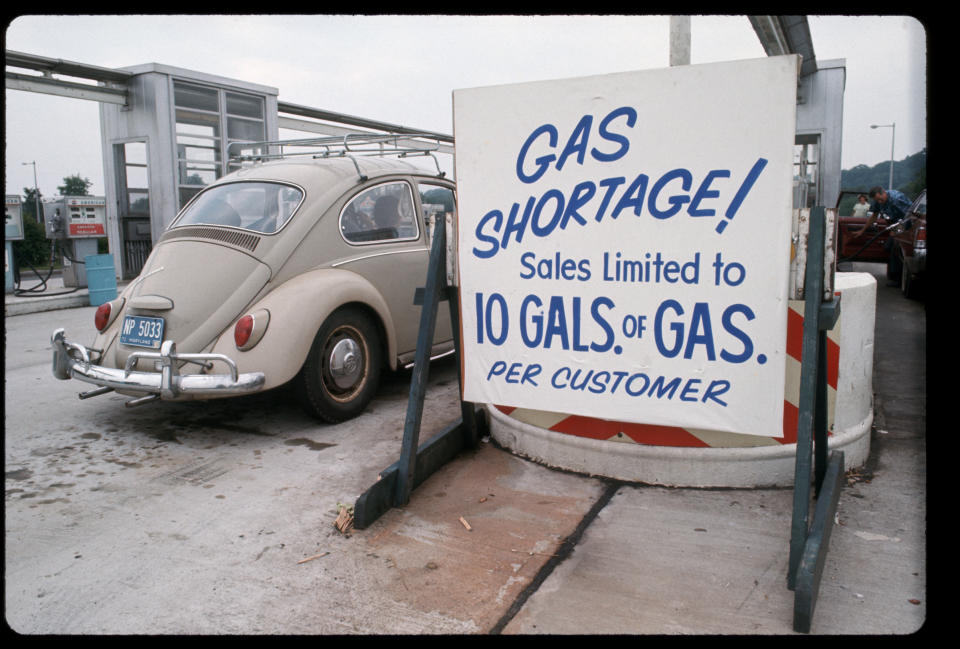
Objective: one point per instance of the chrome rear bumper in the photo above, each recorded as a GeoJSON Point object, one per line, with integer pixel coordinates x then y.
{"type": "Point", "coordinates": [72, 360]}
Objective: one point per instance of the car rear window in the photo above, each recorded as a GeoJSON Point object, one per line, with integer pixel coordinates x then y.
{"type": "Point", "coordinates": [258, 206]}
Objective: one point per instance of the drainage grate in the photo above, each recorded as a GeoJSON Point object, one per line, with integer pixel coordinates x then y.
{"type": "Point", "coordinates": [198, 472]}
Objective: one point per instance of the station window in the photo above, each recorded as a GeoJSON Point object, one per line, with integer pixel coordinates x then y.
{"type": "Point", "coordinates": [806, 171]}
{"type": "Point", "coordinates": [245, 121]}
{"type": "Point", "coordinates": [134, 160]}
{"type": "Point", "coordinates": [203, 114]}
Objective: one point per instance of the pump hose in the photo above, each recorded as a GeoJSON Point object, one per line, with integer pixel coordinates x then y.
{"type": "Point", "coordinates": [37, 291]}
{"type": "Point", "coordinates": [72, 260]}
{"type": "Point", "coordinates": [869, 241]}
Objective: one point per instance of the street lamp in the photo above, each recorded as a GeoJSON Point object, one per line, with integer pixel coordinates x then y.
{"type": "Point", "coordinates": [893, 133]}
{"type": "Point", "coordinates": [36, 192]}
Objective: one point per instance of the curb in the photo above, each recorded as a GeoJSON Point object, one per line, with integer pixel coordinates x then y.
{"type": "Point", "coordinates": [673, 466]}
{"type": "Point", "coordinates": [21, 306]}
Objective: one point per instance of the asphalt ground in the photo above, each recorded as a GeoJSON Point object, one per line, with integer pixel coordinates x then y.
{"type": "Point", "coordinates": [218, 518]}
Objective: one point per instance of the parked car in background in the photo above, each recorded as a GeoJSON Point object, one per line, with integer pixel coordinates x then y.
{"type": "Point", "coordinates": [851, 246]}
{"type": "Point", "coordinates": [300, 270]}
{"type": "Point", "coordinates": [909, 253]}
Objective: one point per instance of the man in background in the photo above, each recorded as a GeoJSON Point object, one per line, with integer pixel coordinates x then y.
{"type": "Point", "coordinates": [890, 203]}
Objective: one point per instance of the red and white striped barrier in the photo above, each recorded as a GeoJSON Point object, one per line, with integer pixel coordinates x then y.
{"type": "Point", "coordinates": [649, 453]}
{"type": "Point", "coordinates": [619, 431]}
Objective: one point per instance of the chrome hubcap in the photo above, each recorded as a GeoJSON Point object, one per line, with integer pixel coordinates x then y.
{"type": "Point", "coordinates": [345, 363]}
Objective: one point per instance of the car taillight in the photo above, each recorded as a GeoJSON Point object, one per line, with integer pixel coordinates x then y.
{"type": "Point", "coordinates": [249, 330]}
{"type": "Point", "coordinates": [242, 330]}
{"type": "Point", "coordinates": [102, 317]}
{"type": "Point", "coordinates": [920, 240]}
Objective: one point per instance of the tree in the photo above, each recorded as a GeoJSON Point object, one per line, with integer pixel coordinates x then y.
{"type": "Point", "coordinates": [28, 205]}
{"type": "Point", "coordinates": [75, 186]}
{"type": "Point", "coordinates": [910, 175]}
{"type": "Point", "coordinates": [918, 184]}
{"type": "Point", "coordinates": [34, 248]}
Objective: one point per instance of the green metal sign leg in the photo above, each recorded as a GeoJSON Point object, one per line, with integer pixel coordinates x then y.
{"type": "Point", "coordinates": [421, 367]}
{"type": "Point", "coordinates": [820, 415]}
{"type": "Point", "coordinates": [815, 549]}
{"type": "Point", "coordinates": [810, 354]}
{"type": "Point", "coordinates": [808, 542]}
{"type": "Point", "coordinates": [417, 462]}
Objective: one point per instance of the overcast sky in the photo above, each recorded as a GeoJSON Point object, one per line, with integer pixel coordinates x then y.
{"type": "Point", "coordinates": [403, 69]}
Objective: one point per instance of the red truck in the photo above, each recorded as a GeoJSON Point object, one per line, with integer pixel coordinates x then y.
{"type": "Point", "coordinates": [906, 254]}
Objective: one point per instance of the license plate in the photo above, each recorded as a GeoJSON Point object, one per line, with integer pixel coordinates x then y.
{"type": "Point", "coordinates": [142, 331]}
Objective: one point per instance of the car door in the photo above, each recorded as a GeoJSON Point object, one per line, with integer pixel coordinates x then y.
{"type": "Point", "coordinates": [386, 230]}
{"type": "Point", "coordinates": [868, 246]}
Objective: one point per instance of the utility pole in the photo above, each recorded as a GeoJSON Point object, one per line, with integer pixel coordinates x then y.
{"type": "Point", "coordinates": [893, 134]}
{"type": "Point", "coordinates": [36, 193]}
{"type": "Point", "coordinates": [679, 40]}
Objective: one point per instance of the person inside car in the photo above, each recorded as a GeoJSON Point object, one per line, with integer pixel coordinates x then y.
{"type": "Point", "coordinates": [386, 216]}
{"type": "Point", "coordinates": [862, 207]}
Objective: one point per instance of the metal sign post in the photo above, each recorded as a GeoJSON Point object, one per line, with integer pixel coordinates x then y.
{"type": "Point", "coordinates": [809, 541]}
{"type": "Point", "coordinates": [417, 462]}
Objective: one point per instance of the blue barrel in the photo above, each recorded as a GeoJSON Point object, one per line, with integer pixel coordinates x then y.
{"type": "Point", "coordinates": [101, 280]}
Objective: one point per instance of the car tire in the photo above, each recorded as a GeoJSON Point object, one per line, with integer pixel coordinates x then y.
{"type": "Point", "coordinates": [342, 370]}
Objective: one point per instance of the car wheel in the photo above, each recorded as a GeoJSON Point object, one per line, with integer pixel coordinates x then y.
{"type": "Point", "coordinates": [342, 370]}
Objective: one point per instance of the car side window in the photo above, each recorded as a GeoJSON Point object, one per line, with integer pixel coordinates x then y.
{"type": "Point", "coordinates": [435, 201]}
{"type": "Point", "coordinates": [381, 213]}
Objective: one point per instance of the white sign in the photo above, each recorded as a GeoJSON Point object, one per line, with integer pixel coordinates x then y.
{"type": "Point", "coordinates": [624, 244]}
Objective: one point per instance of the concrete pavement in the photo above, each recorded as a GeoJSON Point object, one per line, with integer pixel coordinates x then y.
{"type": "Point", "coordinates": [681, 561]}
{"type": "Point", "coordinates": [206, 527]}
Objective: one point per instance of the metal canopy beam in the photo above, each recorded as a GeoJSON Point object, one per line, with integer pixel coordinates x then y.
{"type": "Point", "coordinates": [340, 118]}
{"type": "Point", "coordinates": [118, 94]}
{"type": "Point", "coordinates": [786, 35]}
{"type": "Point", "coordinates": [50, 86]}
{"type": "Point", "coordinates": [329, 129]}
{"type": "Point", "coordinates": [69, 68]}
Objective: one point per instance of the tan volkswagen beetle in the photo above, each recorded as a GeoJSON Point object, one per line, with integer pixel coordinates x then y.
{"type": "Point", "coordinates": [300, 269]}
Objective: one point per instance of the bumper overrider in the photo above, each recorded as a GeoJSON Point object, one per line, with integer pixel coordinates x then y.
{"type": "Point", "coordinates": [72, 360]}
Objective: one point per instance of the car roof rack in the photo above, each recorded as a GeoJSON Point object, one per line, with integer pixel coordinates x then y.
{"type": "Point", "coordinates": [351, 145]}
